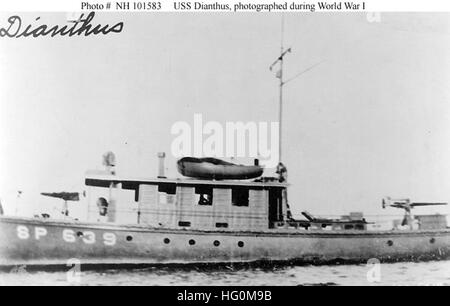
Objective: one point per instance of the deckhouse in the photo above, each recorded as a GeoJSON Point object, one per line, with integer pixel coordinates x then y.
{"type": "Point", "coordinates": [191, 203]}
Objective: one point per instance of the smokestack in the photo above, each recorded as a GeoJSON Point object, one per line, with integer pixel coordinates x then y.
{"type": "Point", "coordinates": [161, 156]}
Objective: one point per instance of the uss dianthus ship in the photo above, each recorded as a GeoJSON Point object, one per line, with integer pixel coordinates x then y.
{"type": "Point", "coordinates": [219, 212]}
{"type": "Point", "coordinates": [217, 220]}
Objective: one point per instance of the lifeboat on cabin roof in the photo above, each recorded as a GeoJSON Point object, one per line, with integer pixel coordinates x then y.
{"type": "Point", "coordinates": [217, 169]}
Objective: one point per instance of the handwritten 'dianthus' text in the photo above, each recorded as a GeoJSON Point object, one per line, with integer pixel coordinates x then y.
{"type": "Point", "coordinates": [79, 27]}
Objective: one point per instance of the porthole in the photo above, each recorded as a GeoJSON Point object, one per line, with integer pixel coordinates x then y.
{"type": "Point", "coordinates": [192, 242]}
{"type": "Point", "coordinates": [129, 238]}
{"type": "Point", "coordinates": [216, 243]}
{"type": "Point", "coordinates": [390, 243]}
{"type": "Point", "coordinates": [240, 244]}
{"type": "Point", "coordinates": [166, 240]}
{"type": "Point", "coordinates": [432, 240]}
{"type": "Point", "coordinates": [80, 234]}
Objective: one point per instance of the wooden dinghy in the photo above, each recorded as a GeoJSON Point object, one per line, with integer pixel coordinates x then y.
{"type": "Point", "coordinates": [213, 168]}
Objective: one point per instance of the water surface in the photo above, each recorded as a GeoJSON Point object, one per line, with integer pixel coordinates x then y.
{"type": "Point", "coordinates": [410, 273]}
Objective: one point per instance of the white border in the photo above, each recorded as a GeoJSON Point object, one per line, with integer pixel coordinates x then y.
{"type": "Point", "coordinates": [168, 5]}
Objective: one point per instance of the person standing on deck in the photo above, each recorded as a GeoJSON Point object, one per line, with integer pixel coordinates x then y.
{"type": "Point", "coordinates": [102, 205]}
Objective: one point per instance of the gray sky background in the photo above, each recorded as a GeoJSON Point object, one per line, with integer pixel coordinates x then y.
{"type": "Point", "coordinates": [372, 120]}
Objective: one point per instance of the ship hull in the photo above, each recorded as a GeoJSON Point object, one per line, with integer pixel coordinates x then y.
{"type": "Point", "coordinates": [48, 242]}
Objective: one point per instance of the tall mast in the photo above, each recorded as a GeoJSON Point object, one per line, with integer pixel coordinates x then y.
{"type": "Point", "coordinates": [279, 75]}
{"type": "Point", "coordinates": [280, 109]}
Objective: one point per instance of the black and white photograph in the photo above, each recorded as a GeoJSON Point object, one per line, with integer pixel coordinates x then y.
{"type": "Point", "coordinates": [224, 144]}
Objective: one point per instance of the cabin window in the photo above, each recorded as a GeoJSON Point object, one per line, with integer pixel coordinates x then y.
{"type": "Point", "coordinates": [204, 195]}
{"type": "Point", "coordinates": [221, 225]}
{"type": "Point", "coordinates": [167, 193]}
{"type": "Point", "coordinates": [239, 196]}
{"type": "Point", "coordinates": [168, 188]}
{"type": "Point", "coordinates": [359, 227]}
{"type": "Point", "coordinates": [184, 223]}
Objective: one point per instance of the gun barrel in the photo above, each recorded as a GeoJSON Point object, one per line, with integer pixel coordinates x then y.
{"type": "Point", "coordinates": [427, 204]}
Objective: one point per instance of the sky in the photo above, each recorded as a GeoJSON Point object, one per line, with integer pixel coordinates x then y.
{"type": "Point", "coordinates": [371, 120]}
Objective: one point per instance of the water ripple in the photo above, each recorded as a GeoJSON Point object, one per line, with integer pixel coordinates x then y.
{"type": "Point", "coordinates": [426, 273]}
